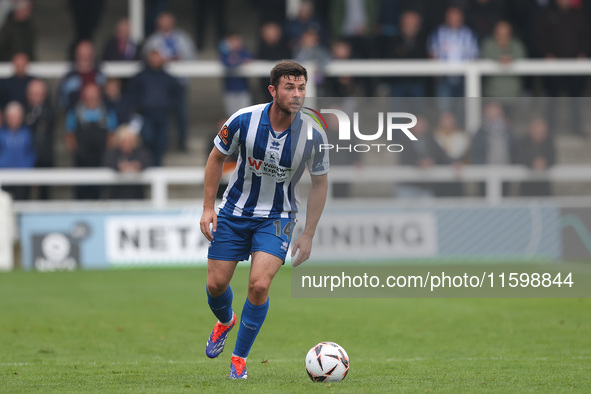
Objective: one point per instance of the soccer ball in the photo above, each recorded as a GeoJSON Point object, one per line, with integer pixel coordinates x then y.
{"type": "Point", "coordinates": [327, 362]}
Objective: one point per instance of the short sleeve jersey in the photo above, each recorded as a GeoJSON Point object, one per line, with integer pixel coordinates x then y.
{"type": "Point", "coordinates": [270, 163]}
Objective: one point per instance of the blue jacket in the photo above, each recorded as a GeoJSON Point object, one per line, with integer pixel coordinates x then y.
{"type": "Point", "coordinates": [153, 90]}
{"type": "Point", "coordinates": [16, 148]}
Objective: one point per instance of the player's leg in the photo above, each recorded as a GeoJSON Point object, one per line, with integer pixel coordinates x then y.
{"type": "Point", "coordinates": [230, 244]}
{"type": "Point", "coordinates": [263, 268]}
{"type": "Point", "coordinates": [219, 298]}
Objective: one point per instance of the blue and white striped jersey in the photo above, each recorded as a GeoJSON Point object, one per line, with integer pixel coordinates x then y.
{"type": "Point", "coordinates": [270, 164]}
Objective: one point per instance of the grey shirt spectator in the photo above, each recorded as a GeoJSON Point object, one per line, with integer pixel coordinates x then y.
{"type": "Point", "coordinates": [172, 42]}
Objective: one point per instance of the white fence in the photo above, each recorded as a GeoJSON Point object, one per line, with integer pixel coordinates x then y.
{"type": "Point", "coordinates": [472, 71]}
{"type": "Point", "coordinates": [159, 179]}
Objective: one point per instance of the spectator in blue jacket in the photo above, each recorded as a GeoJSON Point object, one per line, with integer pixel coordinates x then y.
{"type": "Point", "coordinates": [234, 54]}
{"type": "Point", "coordinates": [14, 88]}
{"type": "Point", "coordinates": [16, 146]}
{"type": "Point", "coordinates": [153, 94]}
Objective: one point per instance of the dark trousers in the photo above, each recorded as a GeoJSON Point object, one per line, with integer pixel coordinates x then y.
{"type": "Point", "coordinates": [181, 115]}
{"type": "Point", "coordinates": [210, 10]}
{"type": "Point", "coordinates": [573, 86]}
{"type": "Point", "coordinates": [88, 192]}
{"type": "Point", "coordinates": [155, 134]}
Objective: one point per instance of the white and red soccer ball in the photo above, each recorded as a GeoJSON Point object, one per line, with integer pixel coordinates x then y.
{"type": "Point", "coordinates": [327, 362]}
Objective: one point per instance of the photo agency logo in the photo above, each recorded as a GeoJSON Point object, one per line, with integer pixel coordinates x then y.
{"type": "Point", "coordinates": [353, 137]}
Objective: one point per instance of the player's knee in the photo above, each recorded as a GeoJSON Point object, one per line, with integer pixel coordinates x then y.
{"type": "Point", "coordinates": [259, 288]}
{"type": "Point", "coordinates": [216, 287]}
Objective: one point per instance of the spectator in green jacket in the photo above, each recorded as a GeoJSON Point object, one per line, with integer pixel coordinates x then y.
{"type": "Point", "coordinates": [504, 48]}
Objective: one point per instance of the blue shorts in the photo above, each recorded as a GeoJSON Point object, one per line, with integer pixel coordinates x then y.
{"type": "Point", "coordinates": [237, 237]}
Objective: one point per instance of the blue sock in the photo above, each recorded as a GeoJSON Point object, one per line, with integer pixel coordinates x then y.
{"type": "Point", "coordinates": [251, 320]}
{"type": "Point", "coordinates": [221, 306]}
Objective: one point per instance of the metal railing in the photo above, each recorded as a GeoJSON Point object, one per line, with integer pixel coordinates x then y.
{"type": "Point", "coordinates": [159, 179]}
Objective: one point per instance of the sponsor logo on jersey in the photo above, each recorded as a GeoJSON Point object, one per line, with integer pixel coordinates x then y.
{"type": "Point", "coordinates": [255, 163]}
{"type": "Point", "coordinates": [224, 134]}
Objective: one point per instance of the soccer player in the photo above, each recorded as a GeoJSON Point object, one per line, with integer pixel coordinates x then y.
{"type": "Point", "coordinates": [275, 142]}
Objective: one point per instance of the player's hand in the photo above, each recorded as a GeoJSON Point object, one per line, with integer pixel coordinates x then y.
{"type": "Point", "coordinates": [304, 245]}
{"type": "Point", "coordinates": [209, 217]}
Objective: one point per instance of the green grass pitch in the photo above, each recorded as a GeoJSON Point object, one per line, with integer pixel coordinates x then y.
{"type": "Point", "coordinates": [145, 331]}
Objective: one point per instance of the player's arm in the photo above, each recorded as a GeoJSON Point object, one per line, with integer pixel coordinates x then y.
{"type": "Point", "coordinates": [316, 201]}
{"type": "Point", "coordinates": [213, 176]}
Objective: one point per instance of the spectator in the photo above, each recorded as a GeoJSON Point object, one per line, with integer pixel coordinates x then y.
{"type": "Point", "coordinates": [452, 42]}
{"type": "Point", "coordinates": [309, 49]}
{"type": "Point", "coordinates": [40, 118]}
{"type": "Point", "coordinates": [537, 151]}
{"type": "Point", "coordinates": [120, 46]}
{"type": "Point", "coordinates": [455, 143]}
{"type": "Point", "coordinates": [15, 87]}
{"type": "Point", "coordinates": [483, 15]}
{"type": "Point", "coordinates": [174, 44]}
{"type": "Point", "coordinates": [153, 9]}
{"type": "Point", "coordinates": [86, 16]}
{"type": "Point", "coordinates": [18, 33]}
{"type": "Point", "coordinates": [305, 20]}
{"type": "Point", "coordinates": [503, 48]}
{"type": "Point", "coordinates": [234, 54]}
{"type": "Point", "coordinates": [524, 17]}
{"type": "Point", "coordinates": [272, 46]}
{"type": "Point", "coordinates": [355, 21]}
{"type": "Point", "coordinates": [410, 44]}
{"type": "Point", "coordinates": [564, 33]}
{"type": "Point", "coordinates": [423, 153]}
{"type": "Point", "coordinates": [16, 147]}
{"type": "Point", "coordinates": [494, 143]}
{"type": "Point", "coordinates": [114, 100]}
{"type": "Point", "coordinates": [84, 72]}
{"type": "Point", "coordinates": [388, 25]}
{"type": "Point", "coordinates": [342, 85]}
{"type": "Point", "coordinates": [153, 93]}
{"type": "Point", "coordinates": [127, 157]}
{"type": "Point", "coordinates": [89, 128]}
{"type": "Point", "coordinates": [210, 10]}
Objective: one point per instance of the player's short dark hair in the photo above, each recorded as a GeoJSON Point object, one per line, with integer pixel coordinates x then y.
{"type": "Point", "coordinates": [287, 68]}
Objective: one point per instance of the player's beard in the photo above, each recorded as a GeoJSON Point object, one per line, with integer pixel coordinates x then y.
{"type": "Point", "coordinates": [287, 107]}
